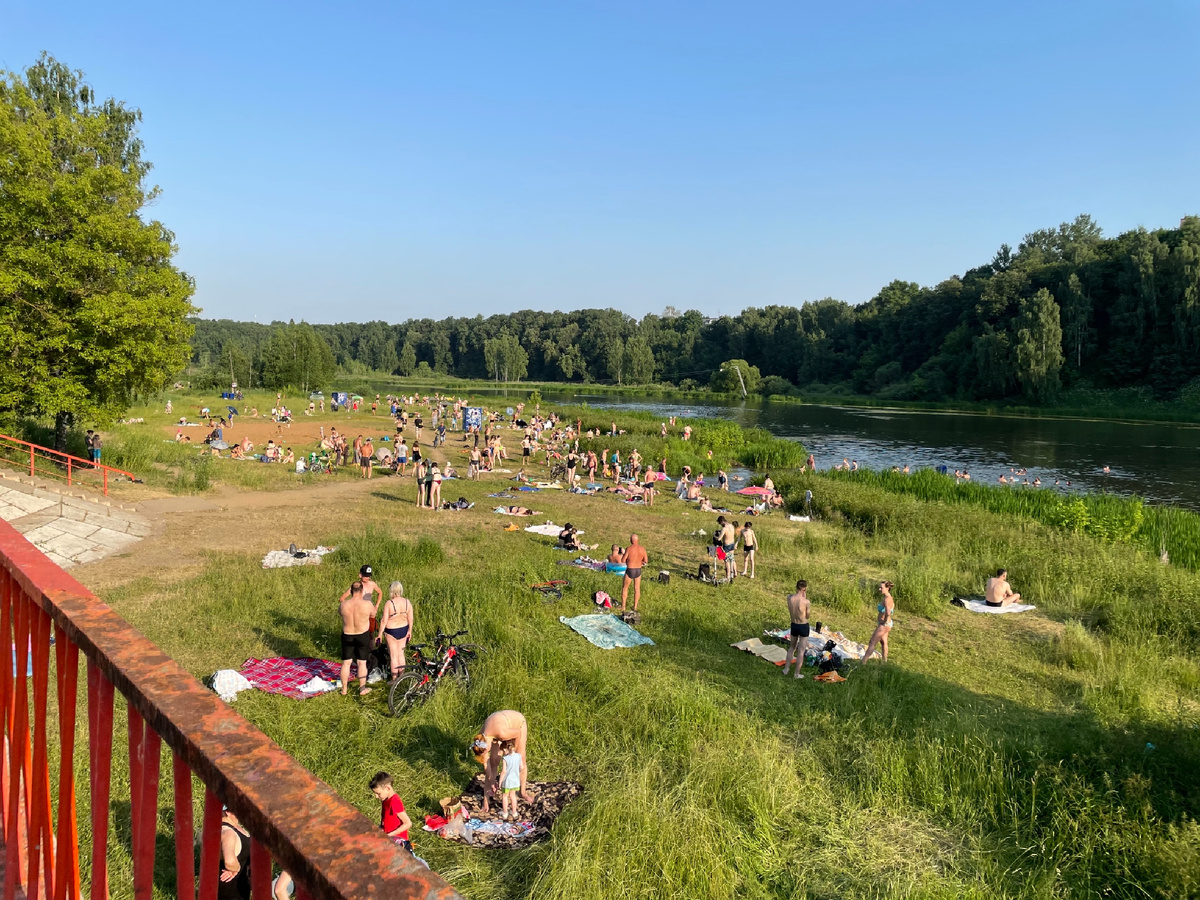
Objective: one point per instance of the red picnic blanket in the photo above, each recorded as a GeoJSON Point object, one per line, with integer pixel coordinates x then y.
{"type": "Point", "coordinates": [284, 675]}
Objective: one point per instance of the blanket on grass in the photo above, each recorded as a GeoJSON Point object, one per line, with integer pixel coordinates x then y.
{"type": "Point", "coordinates": [285, 676]}
{"type": "Point", "coordinates": [549, 529]}
{"type": "Point", "coordinates": [977, 604]}
{"type": "Point", "coordinates": [488, 830]}
{"type": "Point", "coordinates": [772, 653]}
{"type": "Point", "coordinates": [844, 647]}
{"type": "Point", "coordinates": [281, 559]}
{"type": "Point", "coordinates": [606, 632]}
{"type": "Point", "coordinates": [584, 562]}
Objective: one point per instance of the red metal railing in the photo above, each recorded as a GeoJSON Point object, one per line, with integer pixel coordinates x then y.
{"type": "Point", "coordinates": [54, 462]}
{"type": "Point", "coordinates": [294, 819]}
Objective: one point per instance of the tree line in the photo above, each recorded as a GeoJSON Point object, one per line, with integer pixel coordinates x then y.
{"type": "Point", "coordinates": [1068, 306]}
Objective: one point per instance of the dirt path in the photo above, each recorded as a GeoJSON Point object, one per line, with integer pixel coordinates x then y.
{"type": "Point", "coordinates": [188, 528]}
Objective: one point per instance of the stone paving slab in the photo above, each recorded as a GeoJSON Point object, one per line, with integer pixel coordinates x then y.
{"type": "Point", "coordinates": [68, 528]}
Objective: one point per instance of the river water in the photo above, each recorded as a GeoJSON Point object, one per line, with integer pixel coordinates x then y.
{"type": "Point", "coordinates": [1158, 462]}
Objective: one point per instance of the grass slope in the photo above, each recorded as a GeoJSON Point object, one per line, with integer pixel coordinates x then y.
{"type": "Point", "coordinates": [1045, 755]}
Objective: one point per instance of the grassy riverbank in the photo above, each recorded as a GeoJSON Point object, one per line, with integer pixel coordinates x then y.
{"type": "Point", "coordinates": [1117, 404]}
{"type": "Point", "coordinates": [1044, 755]}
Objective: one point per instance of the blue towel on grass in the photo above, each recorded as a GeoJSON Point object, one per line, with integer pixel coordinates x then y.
{"type": "Point", "coordinates": [605, 631]}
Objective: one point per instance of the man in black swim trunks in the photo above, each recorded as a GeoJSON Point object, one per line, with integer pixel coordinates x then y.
{"type": "Point", "coordinates": [356, 613]}
{"type": "Point", "coordinates": [798, 610]}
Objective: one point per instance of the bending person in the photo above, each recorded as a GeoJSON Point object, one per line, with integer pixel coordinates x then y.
{"type": "Point", "coordinates": [505, 725]}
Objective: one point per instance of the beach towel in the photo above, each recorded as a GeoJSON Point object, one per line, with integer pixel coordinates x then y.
{"type": "Point", "coordinates": [281, 559]}
{"type": "Point", "coordinates": [584, 562]}
{"type": "Point", "coordinates": [843, 646]}
{"type": "Point", "coordinates": [606, 632]}
{"type": "Point", "coordinates": [549, 529]}
{"type": "Point", "coordinates": [770, 652]}
{"type": "Point", "coordinates": [282, 675]}
{"type": "Point", "coordinates": [979, 605]}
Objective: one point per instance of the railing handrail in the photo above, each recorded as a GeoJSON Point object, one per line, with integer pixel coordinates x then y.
{"type": "Point", "coordinates": [86, 463]}
{"type": "Point", "coordinates": [325, 843]}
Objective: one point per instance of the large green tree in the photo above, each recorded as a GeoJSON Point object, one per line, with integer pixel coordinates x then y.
{"type": "Point", "coordinates": [1039, 346]}
{"type": "Point", "coordinates": [296, 356]}
{"type": "Point", "coordinates": [92, 308]}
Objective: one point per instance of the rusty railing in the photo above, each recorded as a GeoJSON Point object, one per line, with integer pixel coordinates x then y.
{"type": "Point", "coordinates": [330, 849]}
{"type": "Point", "coordinates": [16, 451]}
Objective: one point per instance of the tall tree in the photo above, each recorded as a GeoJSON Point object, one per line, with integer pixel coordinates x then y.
{"type": "Point", "coordinates": [639, 360]}
{"type": "Point", "coordinates": [1039, 346]}
{"type": "Point", "coordinates": [92, 309]}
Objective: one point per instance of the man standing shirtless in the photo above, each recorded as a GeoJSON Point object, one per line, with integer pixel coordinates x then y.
{"type": "Point", "coordinates": [798, 609]}
{"type": "Point", "coordinates": [728, 540]}
{"type": "Point", "coordinates": [369, 587]}
{"type": "Point", "coordinates": [998, 591]}
{"type": "Point", "coordinates": [356, 636]}
{"type": "Point", "coordinates": [635, 559]}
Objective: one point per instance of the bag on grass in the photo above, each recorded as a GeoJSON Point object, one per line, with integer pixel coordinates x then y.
{"type": "Point", "coordinates": [602, 599]}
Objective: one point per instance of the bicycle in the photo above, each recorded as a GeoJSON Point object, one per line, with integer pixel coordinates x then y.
{"type": "Point", "coordinates": [417, 682]}
{"type": "Point", "coordinates": [551, 590]}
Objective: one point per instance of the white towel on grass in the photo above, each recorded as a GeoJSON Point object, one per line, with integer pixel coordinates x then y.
{"type": "Point", "coordinates": [980, 606]}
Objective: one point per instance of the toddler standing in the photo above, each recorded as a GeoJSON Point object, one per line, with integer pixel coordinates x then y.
{"type": "Point", "coordinates": [510, 778]}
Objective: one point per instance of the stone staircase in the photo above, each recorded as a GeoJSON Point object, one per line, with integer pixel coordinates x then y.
{"type": "Point", "coordinates": [69, 525]}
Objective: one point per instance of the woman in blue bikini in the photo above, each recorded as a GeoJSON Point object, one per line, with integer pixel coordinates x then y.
{"type": "Point", "coordinates": [883, 626]}
{"type": "Point", "coordinates": [396, 625]}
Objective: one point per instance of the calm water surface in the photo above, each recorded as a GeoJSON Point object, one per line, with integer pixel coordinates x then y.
{"type": "Point", "coordinates": [1158, 462]}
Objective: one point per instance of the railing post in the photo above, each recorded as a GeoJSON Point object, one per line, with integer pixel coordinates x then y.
{"type": "Point", "coordinates": [210, 846]}
{"type": "Point", "coordinates": [17, 826]}
{"type": "Point", "coordinates": [31, 458]}
{"type": "Point", "coordinates": [66, 867]}
{"type": "Point", "coordinates": [41, 845]}
{"type": "Point", "coordinates": [68, 471]}
{"type": "Point", "coordinates": [185, 859]}
{"type": "Point", "coordinates": [100, 731]}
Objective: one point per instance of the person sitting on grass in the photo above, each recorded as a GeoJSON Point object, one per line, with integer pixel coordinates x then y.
{"type": "Point", "coordinates": [568, 538]}
{"type": "Point", "coordinates": [705, 505]}
{"type": "Point", "coordinates": [289, 458]}
{"type": "Point", "coordinates": [998, 591]}
{"type": "Point", "coordinates": [235, 452]}
{"type": "Point", "coordinates": [617, 556]}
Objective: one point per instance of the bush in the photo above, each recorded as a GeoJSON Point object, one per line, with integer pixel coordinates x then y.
{"type": "Point", "coordinates": [775, 385]}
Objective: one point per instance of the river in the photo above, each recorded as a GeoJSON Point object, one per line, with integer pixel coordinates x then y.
{"type": "Point", "coordinates": [1158, 462]}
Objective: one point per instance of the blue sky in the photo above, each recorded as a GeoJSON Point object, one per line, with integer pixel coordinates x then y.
{"type": "Point", "coordinates": [346, 162]}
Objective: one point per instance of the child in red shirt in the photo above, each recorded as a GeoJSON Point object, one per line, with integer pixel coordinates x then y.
{"type": "Point", "coordinates": [393, 819]}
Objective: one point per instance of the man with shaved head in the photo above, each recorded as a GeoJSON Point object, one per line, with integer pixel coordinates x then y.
{"type": "Point", "coordinates": [635, 559]}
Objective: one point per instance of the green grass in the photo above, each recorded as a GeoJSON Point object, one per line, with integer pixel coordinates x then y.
{"type": "Point", "coordinates": [1109, 518]}
{"type": "Point", "coordinates": [993, 757]}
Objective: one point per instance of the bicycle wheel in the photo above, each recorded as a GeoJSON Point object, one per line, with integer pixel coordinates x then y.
{"type": "Point", "coordinates": [407, 691]}
{"type": "Point", "coordinates": [461, 673]}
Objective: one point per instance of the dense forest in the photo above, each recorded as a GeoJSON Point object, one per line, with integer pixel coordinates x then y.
{"type": "Point", "coordinates": [1067, 307]}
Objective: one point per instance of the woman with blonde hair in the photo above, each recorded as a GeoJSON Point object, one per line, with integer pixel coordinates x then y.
{"type": "Point", "coordinates": [883, 625]}
{"type": "Point", "coordinates": [396, 625]}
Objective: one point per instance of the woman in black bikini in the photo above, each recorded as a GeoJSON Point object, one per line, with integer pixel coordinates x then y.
{"type": "Point", "coordinates": [396, 625]}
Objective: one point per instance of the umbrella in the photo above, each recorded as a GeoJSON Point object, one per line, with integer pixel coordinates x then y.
{"type": "Point", "coordinates": [756, 492]}
{"type": "Point", "coordinates": [232, 411]}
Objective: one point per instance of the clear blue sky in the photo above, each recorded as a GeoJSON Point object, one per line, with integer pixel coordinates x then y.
{"type": "Point", "coordinates": [351, 161]}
